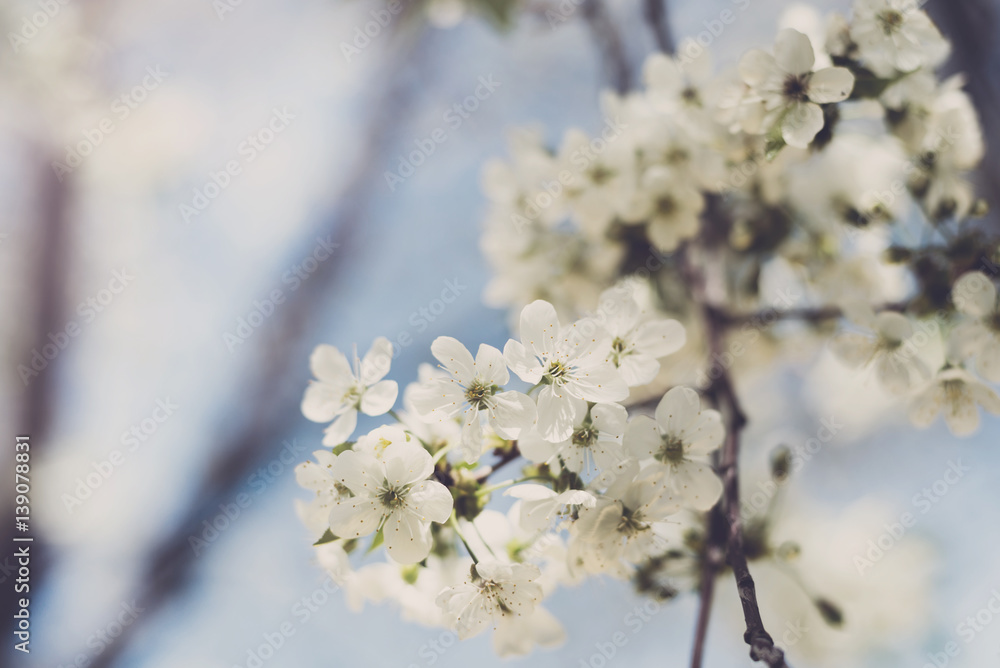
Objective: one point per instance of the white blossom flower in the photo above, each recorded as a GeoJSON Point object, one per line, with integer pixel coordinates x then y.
{"type": "Point", "coordinates": [681, 430]}
{"type": "Point", "coordinates": [340, 391]}
{"type": "Point", "coordinates": [789, 88]}
{"type": "Point", "coordinates": [517, 635]}
{"type": "Point", "coordinates": [495, 590]}
{"type": "Point", "coordinates": [668, 206]}
{"type": "Point", "coordinates": [956, 393]}
{"type": "Point", "coordinates": [391, 493]}
{"type": "Point", "coordinates": [318, 477]}
{"type": "Point", "coordinates": [896, 35]}
{"type": "Point", "coordinates": [540, 505]}
{"type": "Point", "coordinates": [474, 388]}
{"type": "Point", "coordinates": [570, 361]}
{"type": "Point", "coordinates": [595, 440]}
{"type": "Point", "coordinates": [889, 350]}
{"type": "Point", "coordinates": [621, 524]}
{"type": "Point", "coordinates": [637, 342]}
{"type": "Point", "coordinates": [975, 295]}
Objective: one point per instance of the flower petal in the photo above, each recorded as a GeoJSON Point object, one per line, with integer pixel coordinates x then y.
{"type": "Point", "coordinates": [832, 84]}
{"type": "Point", "coordinates": [609, 418]}
{"type": "Point", "coordinates": [355, 516]}
{"type": "Point", "coordinates": [642, 437]}
{"type": "Point", "coordinates": [705, 434]}
{"type": "Point", "coordinates": [974, 294]}
{"type": "Point", "coordinates": [697, 484]}
{"type": "Point", "coordinates": [455, 357]}
{"type": "Point", "coordinates": [794, 52]}
{"type": "Point", "coordinates": [555, 415]}
{"type": "Point", "coordinates": [406, 463]}
{"type": "Point", "coordinates": [321, 402]}
{"type": "Point", "coordinates": [329, 364]}
{"type": "Point", "coordinates": [407, 538]}
{"type": "Point", "coordinates": [341, 428]}
{"type": "Point", "coordinates": [359, 472]}
{"type": "Point", "coordinates": [660, 337]}
{"type": "Point", "coordinates": [513, 413]}
{"type": "Point", "coordinates": [801, 123]}
{"type": "Point", "coordinates": [539, 327]}
{"type": "Point", "coordinates": [490, 365]}
{"type": "Point", "coordinates": [376, 361]}
{"type": "Point", "coordinates": [677, 410]}
{"type": "Point", "coordinates": [379, 398]}
{"type": "Point", "coordinates": [522, 362]}
{"type": "Point", "coordinates": [430, 500]}
{"type": "Point", "coordinates": [756, 67]}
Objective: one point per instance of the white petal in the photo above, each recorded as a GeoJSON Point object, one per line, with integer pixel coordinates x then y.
{"type": "Point", "coordinates": [522, 362]}
{"type": "Point", "coordinates": [926, 406]}
{"type": "Point", "coordinates": [801, 123]}
{"type": "Point", "coordinates": [975, 294]}
{"type": "Point", "coordinates": [537, 449]}
{"type": "Point", "coordinates": [530, 492]}
{"type": "Point", "coordinates": [961, 415]}
{"type": "Point", "coordinates": [472, 437]}
{"type": "Point", "coordinates": [893, 326]}
{"type": "Point", "coordinates": [329, 364]}
{"type": "Point", "coordinates": [697, 484]}
{"type": "Point", "coordinates": [539, 327]}
{"type": "Point", "coordinates": [677, 410]}
{"type": "Point", "coordinates": [637, 369]}
{"type": "Point", "coordinates": [555, 415]}
{"type": "Point", "coordinates": [853, 349]}
{"type": "Point", "coordinates": [379, 398]}
{"type": "Point", "coordinates": [406, 463]}
{"type": "Point", "coordinates": [322, 402]}
{"type": "Point", "coordinates": [660, 338]}
{"type": "Point", "coordinates": [438, 398]}
{"type": "Point", "coordinates": [609, 418]}
{"type": "Point", "coordinates": [601, 383]}
{"type": "Point", "coordinates": [513, 413]}
{"type": "Point", "coordinates": [832, 84]}
{"type": "Point", "coordinates": [756, 67]}
{"type": "Point", "coordinates": [355, 516]}
{"type": "Point", "coordinates": [985, 396]}
{"type": "Point", "coordinates": [430, 500]}
{"type": "Point", "coordinates": [455, 357]}
{"type": "Point", "coordinates": [490, 365]}
{"type": "Point", "coordinates": [407, 538]}
{"type": "Point", "coordinates": [794, 52]}
{"type": "Point", "coordinates": [359, 472]}
{"type": "Point", "coordinates": [642, 437]}
{"type": "Point", "coordinates": [705, 434]}
{"type": "Point", "coordinates": [376, 361]}
{"type": "Point", "coordinates": [341, 429]}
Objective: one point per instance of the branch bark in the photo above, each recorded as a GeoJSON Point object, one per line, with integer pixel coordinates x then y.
{"type": "Point", "coordinates": [609, 43]}
{"type": "Point", "coordinates": [655, 13]}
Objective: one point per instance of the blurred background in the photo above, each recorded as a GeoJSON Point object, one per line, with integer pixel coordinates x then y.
{"type": "Point", "coordinates": [194, 196]}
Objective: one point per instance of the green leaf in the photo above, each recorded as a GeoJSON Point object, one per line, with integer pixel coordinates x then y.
{"type": "Point", "coordinates": [327, 537]}
{"type": "Point", "coordinates": [379, 538]}
{"type": "Point", "coordinates": [346, 445]}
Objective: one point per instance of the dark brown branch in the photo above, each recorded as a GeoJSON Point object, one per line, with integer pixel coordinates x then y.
{"type": "Point", "coordinates": [609, 43]}
{"type": "Point", "coordinates": [655, 13]}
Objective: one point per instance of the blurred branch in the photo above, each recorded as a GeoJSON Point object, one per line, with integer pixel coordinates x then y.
{"type": "Point", "coordinates": [50, 265]}
{"type": "Point", "coordinates": [609, 44]}
{"type": "Point", "coordinates": [273, 400]}
{"type": "Point", "coordinates": [656, 14]}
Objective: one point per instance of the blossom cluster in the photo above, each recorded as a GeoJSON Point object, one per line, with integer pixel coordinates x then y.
{"type": "Point", "coordinates": [831, 168]}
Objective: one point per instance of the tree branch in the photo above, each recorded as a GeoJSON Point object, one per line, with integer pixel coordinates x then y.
{"type": "Point", "coordinates": [609, 44]}
{"type": "Point", "coordinates": [655, 13]}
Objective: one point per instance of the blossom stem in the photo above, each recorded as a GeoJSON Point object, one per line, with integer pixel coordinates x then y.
{"type": "Point", "coordinates": [441, 453]}
{"type": "Point", "coordinates": [394, 416]}
{"type": "Point", "coordinates": [508, 483]}
{"type": "Point", "coordinates": [453, 520]}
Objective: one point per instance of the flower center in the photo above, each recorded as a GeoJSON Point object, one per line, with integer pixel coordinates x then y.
{"type": "Point", "coordinates": [557, 372]}
{"type": "Point", "coordinates": [690, 95]}
{"type": "Point", "coordinates": [666, 206]}
{"type": "Point", "coordinates": [478, 393]}
{"type": "Point", "coordinates": [672, 451]}
{"type": "Point", "coordinates": [392, 498]}
{"type": "Point", "coordinates": [890, 20]}
{"type": "Point", "coordinates": [795, 88]}
{"type": "Point", "coordinates": [631, 523]}
{"type": "Point", "coordinates": [353, 396]}
{"type": "Point", "coordinates": [600, 174]}
{"type": "Point", "coordinates": [584, 437]}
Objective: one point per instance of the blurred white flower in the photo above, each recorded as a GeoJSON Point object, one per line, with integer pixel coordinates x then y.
{"type": "Point", "coordinates": [318, 477]}
{"type": "Point", "coordinates": [595, 441]}
{"type": "Point", "coordinates": [958, 394]}
{"type": "Point", "coordinates": [789, 88]}
{"type": "Point", "coordinates": [540, 505]}
{"type": "Point", "coordinates": [975, 295]}
{"type": "Point", "coordinates": [340, 391]}
{"type": "Point", "coordinates": [897, 366]}
{"type": "Point", "coordinates": [896, 35]}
